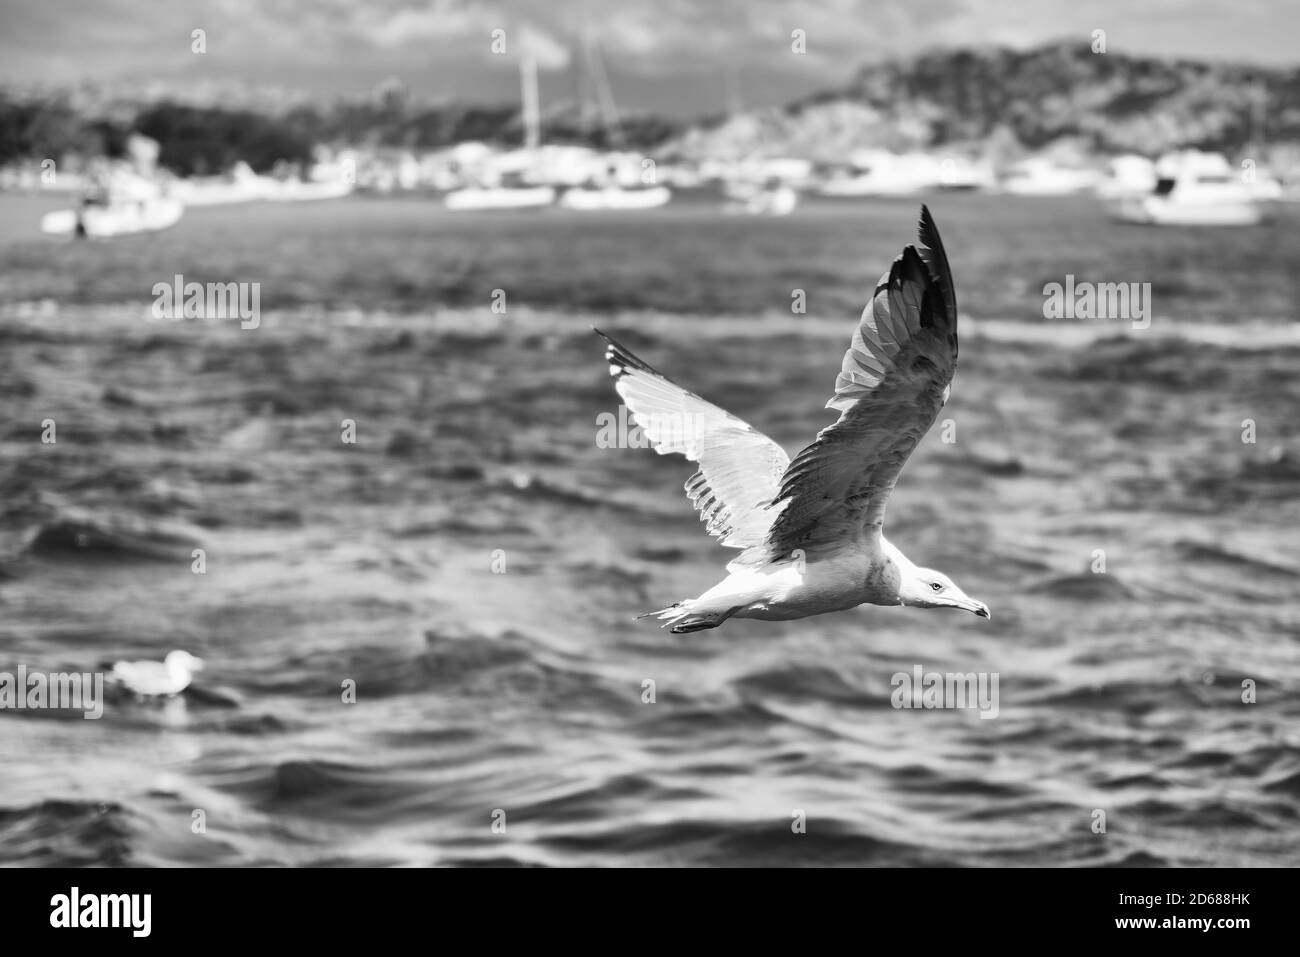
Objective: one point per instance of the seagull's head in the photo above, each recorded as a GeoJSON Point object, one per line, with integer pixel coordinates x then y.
{"type": "Point", "coordinates": [927, 588]}
{"type": "Point", "coordinates": [182, 661]}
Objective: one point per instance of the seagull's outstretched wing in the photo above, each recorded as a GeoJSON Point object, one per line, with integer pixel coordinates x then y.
{"type": "Point", "coordinates": [894, 380]}
{"type": "Point", "coordinates": [740, 468]}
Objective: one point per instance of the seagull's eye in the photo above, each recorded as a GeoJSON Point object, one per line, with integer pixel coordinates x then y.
{"type": "Point", "coordinates": [937, 586]}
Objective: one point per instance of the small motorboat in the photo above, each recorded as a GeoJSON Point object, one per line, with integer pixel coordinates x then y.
{"type": "Point", "coordinates": [104, 219]}
{"type": "Point", "coordinates": [118, 204]}
{"type": "Point", "coordinates": [1193, 189]}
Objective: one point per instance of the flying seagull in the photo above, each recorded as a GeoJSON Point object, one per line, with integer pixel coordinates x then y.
{"type": "Point", "coordinates": [168, 677]}
{"type": "Point", "coordinates": [811, 530]}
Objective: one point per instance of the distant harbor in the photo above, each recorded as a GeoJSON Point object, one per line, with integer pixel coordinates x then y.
{"type": "Point", "coordinates": [135, 194]}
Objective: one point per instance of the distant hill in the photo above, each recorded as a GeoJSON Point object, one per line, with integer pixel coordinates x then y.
{"type": "Point", "coordinates": [988, 101]}
{"type": "Point", "coordinates": [1002, 100]}
{"type": "Point", "coordinates": [198, 135]}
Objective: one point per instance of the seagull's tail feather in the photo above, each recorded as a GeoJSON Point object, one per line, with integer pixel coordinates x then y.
{"type": "Point", "coordinates": [662, 612]}
{"type": "Point", "coordinates": [683, 617]}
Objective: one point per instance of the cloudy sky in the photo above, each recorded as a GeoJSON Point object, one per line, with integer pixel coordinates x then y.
{"type": "Point", "coordinates": [680, 56]}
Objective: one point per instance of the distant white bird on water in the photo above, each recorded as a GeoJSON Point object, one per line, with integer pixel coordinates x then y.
{"type": "Point", "coordinates": [168, 677]}
{"type": "Point", "coordinates": [812, 529]}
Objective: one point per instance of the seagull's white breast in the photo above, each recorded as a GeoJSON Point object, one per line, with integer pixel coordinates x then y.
{"type": "Point", "coordinates": [821, 582]}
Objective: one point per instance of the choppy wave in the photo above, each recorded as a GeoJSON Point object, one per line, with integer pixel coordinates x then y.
{"type": "Point", "coordinates": [471, 566]}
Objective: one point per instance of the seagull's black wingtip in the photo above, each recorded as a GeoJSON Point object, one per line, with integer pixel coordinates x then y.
{"type": "Point", "coordinates": [621, 356]}
{"type": "Point", "coordinates": [926, 223]}
{"type": "Point", "coordinates": [928, 233]}
{"type": "Point", "coordinates": [610, 342]}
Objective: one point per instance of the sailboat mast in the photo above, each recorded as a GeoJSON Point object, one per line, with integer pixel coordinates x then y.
{"type": "Point", "coordinates": [604, 92]}
{"type": "Point", "coordinates": [531, 103]}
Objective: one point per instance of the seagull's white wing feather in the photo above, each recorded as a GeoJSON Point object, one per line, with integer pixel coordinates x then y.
{"type": "Point", "coordinates": [894, 380]}
{"type": "Point", "coordinates": [144, 677]}
{"type": "Point", "coordinates": [740, 468]}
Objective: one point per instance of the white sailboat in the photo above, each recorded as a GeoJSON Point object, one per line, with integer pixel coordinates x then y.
{"type": "Point", "coordinates": [607, 191]}
{"type": "Point", "coordinates": [1263, 185]}
{"type": "Point", "coordinates": [504, 193]}
{"type": "Point", "coordinates": [614, 197]}
{"type": "Point", "coordinates": [500, 197]}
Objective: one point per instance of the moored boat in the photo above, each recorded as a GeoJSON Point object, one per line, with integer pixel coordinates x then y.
{"type": "Point", "coordinates": [593, 198]}
{"type": "Point", "coordinates": [1192, 189]}
{"type": "Point", "coordinates": [499, 197]}
{"type": "Point", "coordinates": [126, 206]}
